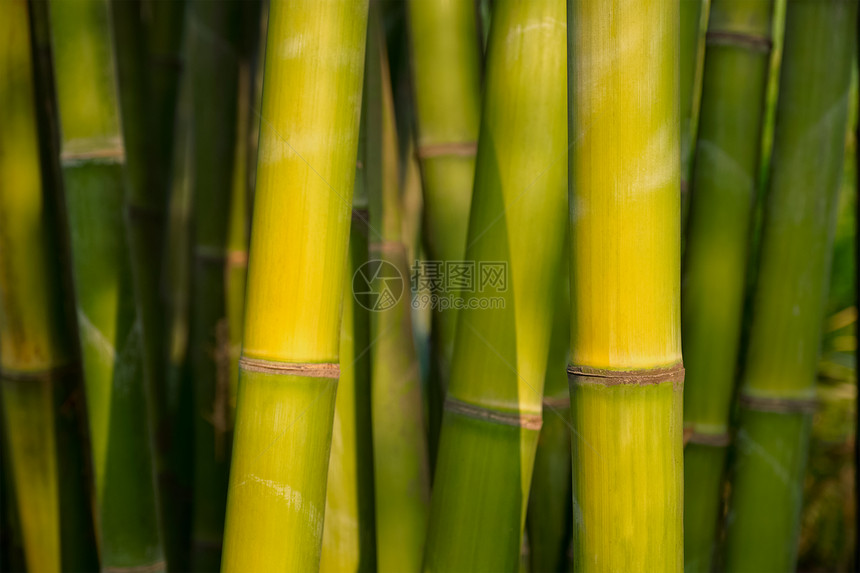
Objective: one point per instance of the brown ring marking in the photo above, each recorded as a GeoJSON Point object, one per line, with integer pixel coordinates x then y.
{"type": "Point", "coordinates": [516, 419]}
{"type": "Point", "coordinates": [309, 369]}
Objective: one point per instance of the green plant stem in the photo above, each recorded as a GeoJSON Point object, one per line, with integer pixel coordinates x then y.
{"type": "Point", "coordinates": [778, 382]}
{"type": "Point", "coordinates": [626, 373]}
{"type": "Point", "coordinates": [349, 534]}
{"type": "Point", "coordinates": [296, 277]}
{"type": "Point", "coordinates": [93, 160]}
{"type": "Point", "coordinates": [215, 69]}
{"type": "Point", "coordinates": [446, 61]}
{"type": "Point", "coordinates": [43, 447]}
{"type": "Point", "coordinates": [494, 403]}
{"type": "Point", "coordinates": [401, 473]}
{"type": "Point", "coordinates": [693, 13]}
{"type": "Point", "coordinates": [549, 518]}
{"type": "Point", "coordinates": [725, 184]}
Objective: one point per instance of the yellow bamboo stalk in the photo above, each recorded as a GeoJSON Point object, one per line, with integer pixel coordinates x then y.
{"type": "Point", "coordinates": [626, 373]}
{"type": "Point", "coordinates": [289, 365]}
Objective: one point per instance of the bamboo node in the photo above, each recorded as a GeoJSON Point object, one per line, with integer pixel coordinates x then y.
{"type": "Point", "coordinates": [460, 149]}
{"type": "Point", "coordinates": [645, 377]}
{"type": "Point", "coordinates": [309, 369]}
{"type": "Point", "coordinates": [516, 419]}
{"type": "Point", "coordinates": [691, 436]}
{"type": "Point", "coordinates": [781, 405]}
{"type": "Point", "coordinates": [105, 150]}
{"type": "Point", "coordinates": [217, 255]}
{"type": "Point", "coordinates": [391, 248]}
{"type": "Point", "coordinates": [739, 39]}
{"type": "Point", "coordinates": [556, 402]}
{"type": "Point", "coordinates": [44, 375]}
{"type": "Point", "coordinates": [151, 568]}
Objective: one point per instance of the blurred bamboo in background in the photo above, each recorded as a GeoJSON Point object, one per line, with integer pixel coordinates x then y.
{"type": "Point", "coordinates": [94, 176]}
{"type": "Point", "coordinates": [400, 473]}
{"type": "Point", "coordinates": [549, 519]}
{"type": "Point", "coordinates": [446, 62]}
{"type": "Point", "coordinates": [349, 534]}
{"type": "Point", "coordinates": [693, 14]}
{"type": "Point", "coordinates": [40, 379]}
{"type": "Point", "coordinates": [777, 391]}
{"type": "Point", "coordinates": [719, 230]}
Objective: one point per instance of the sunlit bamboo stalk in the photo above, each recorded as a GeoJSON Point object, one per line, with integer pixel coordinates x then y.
{"type": "Point", "coordinates": [625, 375]}
{"type": "Point", "coordinates": [289, 365]}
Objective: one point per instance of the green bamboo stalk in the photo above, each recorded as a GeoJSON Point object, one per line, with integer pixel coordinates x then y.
{"type": "Point", "coordinates": [11, 545]}
{"type": "Point", "coordinates": [725, 182]}
{"type": "Point", "coordinates": [693, 13]}
{"type": "Point", "coordinates": [39, 379]}
{"type": "Point", "coordinates": [296, 278]}
{"type": "Point", "coordinates": [179, 385]}
{"type": "Point", "coordinates": [400, 464]}
{"type": "Point", "coordinates": [625, 375]}
{"type": "Point", "coordinates": [215, 69]}
{"type": "Point", "coordinates": [446, 63]}
{"type": "Point", "coordinates": [164, 40]}
{"type": "Point", "coordinates": [145, 204]}
{"type": "Point", "coordinates": [778, 383]}
{"type": "Point", "coordinates": [93, 159]}
{"type": "Point", "coordinates": [548, 521]}
{"type": "Point", "coordinates": [494, 403]}
{"type": "Point", "coordinates": [349, 537]}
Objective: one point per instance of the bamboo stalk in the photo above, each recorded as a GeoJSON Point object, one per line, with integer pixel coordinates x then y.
{"type": "Point", "coordinates": [309, 133]}
{"type": "Point", "coordinates": [179, 384]}
{"type": "Point", "coordinates": [215, 71]}
{"type": "Point", "coordinates": [400, 464]}
{"type": "Point", "coordinates": [446, 62]}
{"type": "Point", "coordinates": [626, 375]}
{"type": "Point", "coordinates": [778, 383]}
{"type": "Point", "coordinates": [494, 403]}
{"type": "Point", "coordinates": [39, 378]}
{"type": "Point", "coordinates": [93, 159]}
{"type": "Point", "coordinates": [725, 183]}
{"type": "Point", "coordinates": [349, 536]}
{"type": "Point", "coordinates": [693, 13]}
{"type": "Point", "coordinates": [548, 521]}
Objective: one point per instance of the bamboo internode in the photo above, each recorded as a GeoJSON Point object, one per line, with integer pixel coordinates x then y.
{"type": "Point", "coordinates": [296, 276]}
{"type": "Point", "coordinates": [625, 283]}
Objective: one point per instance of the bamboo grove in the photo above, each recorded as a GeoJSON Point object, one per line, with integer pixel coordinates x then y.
{"type": "Point", "coordinates": [427, 285]}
